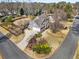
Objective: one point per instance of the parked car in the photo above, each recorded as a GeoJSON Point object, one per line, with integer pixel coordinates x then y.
{"type": "Point", "coordinates": [77, 17]}
{"type": "Point", "coordinates": [76, 29]}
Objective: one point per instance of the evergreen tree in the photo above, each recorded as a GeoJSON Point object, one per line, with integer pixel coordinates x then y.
{"type": "Point", "coordinates": [21, 11]}
{"type": "Point", "coordinates": [68, 9]}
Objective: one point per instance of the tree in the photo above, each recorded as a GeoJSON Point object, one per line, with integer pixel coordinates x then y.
{"type": "Point", "coordinates": [68, 9]}
{"type": "Point", "coordinates": [59, 14]}
{"type": "Point", "coordinates": [32, 42]}
{"type": "Point", "coordinates": [62, 4]}
{"type": "Point", "coordinates": [9, 19]}
{"type": "Point", "coordinates": [56, 26]}
{"type": "Point", "coordinates": [21, 11]}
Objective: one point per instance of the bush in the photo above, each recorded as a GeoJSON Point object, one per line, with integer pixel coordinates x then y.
{"type": "Point", "coordinates": [9, 19]}
{"type": "Point", "coordinates": [42, 48]}
{"type": "Point", "coordinates": [70, 20]}
{"type": "Point", "coordinates": [31, 16]}
{"type": "Point", "coordinates": [38, 35]}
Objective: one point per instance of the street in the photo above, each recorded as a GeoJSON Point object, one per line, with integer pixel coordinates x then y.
{"type": "Point", "coordinates": [9, 50]}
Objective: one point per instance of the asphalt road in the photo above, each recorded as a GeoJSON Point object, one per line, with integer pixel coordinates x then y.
{"type": "Point", "coordinates": [9, 50]}
{"type": "Point", "coordinates": [68, 47]}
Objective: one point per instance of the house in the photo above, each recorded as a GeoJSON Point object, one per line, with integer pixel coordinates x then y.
{"type": "Point", "coordinates": [0, 14]}
{"type": "Point", "coordinates": [40, 23]}
{"type": "Point", "coordinates": [19, 26]}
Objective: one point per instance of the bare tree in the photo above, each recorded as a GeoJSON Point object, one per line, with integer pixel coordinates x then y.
{"type": "Point", "coordinates": [57, 16]}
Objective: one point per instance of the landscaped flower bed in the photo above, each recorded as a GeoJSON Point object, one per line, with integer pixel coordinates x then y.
{"type": "Point", "coordinates": [42, 48]}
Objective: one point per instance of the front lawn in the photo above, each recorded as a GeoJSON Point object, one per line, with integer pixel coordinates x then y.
{"type": "Point", "coordinates": [53, 40]}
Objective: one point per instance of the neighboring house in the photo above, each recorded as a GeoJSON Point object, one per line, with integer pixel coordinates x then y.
{"type": "Point", "coordinates": [40, 23]}
{"type": "Point", "coordinates": [19, 26]}
{"type": "Point", "coordinates": [1, 14]}
{"type": "Point", "coordinates": [15, 30]}
{"type": "Point", "coordinates": [22, 22]}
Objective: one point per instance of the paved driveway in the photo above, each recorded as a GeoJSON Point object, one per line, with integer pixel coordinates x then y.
{"type": "Point", "coordinates": [29, 34]}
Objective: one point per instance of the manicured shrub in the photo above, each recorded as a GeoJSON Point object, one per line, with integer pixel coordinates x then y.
{"type": "Point", "coordinates": [38, 35]}
{"type": "Point", "coordinates": [70, 20]}
{"type": "Point", "coordinates": [42, 48]}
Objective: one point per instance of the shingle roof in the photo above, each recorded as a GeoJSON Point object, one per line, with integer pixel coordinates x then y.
{"type": "Point", "coordinates": [41, 19]}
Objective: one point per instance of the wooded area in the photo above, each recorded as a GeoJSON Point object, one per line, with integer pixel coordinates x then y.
{"type": "Point", "coordinates": [9, 7]}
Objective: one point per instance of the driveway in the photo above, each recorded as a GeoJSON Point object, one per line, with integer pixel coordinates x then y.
{"type": "Point", "coordinates": [29, 34]}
